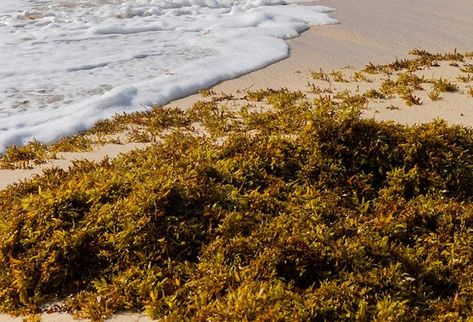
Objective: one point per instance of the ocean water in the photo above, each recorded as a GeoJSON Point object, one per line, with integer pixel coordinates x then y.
{"type": "Point", "coordinates": [65, 64]}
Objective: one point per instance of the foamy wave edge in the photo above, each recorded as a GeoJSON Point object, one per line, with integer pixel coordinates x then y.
{"type": "Point", "coordinates": [242, 48]}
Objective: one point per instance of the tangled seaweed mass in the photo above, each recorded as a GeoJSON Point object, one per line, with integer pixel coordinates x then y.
{"type": "Point", "coordinates": [302, 211]}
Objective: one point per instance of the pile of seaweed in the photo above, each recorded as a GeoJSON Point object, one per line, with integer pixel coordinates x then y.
{"type": "Point", "coordinates": [301, 211]}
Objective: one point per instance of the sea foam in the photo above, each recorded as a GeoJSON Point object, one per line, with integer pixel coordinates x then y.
{"type": "Point", "coordinates": [66, 64]}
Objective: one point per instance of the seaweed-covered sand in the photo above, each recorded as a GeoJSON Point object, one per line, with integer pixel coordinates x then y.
{"type": "Point", "coordinates": [261, 197]}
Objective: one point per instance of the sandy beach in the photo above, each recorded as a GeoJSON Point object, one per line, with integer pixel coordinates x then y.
{"type": "Point", "coordinates": [369, 31]}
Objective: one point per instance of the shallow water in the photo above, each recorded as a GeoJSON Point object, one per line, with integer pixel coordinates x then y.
{"type": "Point", "coordinates": [65, 64]}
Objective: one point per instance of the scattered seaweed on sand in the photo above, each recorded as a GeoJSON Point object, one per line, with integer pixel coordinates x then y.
{"type": "Point", "coordinates": [337, 76]}
{"type": "Point", "coordinates": [434, 95]}
{"type": "Point", "coordinates": [359, 76]}
{"type": "Point", "coordinates": [442, 85]}
{"type": "Point", "coordinates": [320, 75]}
{"type": "Point", "coordinates": [465, 78]}
{"type": "Point", "coordinates": [24, 157]}
{"type": "Point", "coordinates": [410, 98]}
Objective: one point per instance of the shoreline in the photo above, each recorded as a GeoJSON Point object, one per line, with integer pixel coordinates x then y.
{"type": "Point", "coordinates": [362, 36]}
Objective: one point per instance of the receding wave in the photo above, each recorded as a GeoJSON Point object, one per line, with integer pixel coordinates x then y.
{"type": "Point", "coordinates": [64, 65]}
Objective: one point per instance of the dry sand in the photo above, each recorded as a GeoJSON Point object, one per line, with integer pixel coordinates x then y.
{"type": "Point", "coordinates": [62, 317]}
{"type": "Point", "coordinates": [369, 30]}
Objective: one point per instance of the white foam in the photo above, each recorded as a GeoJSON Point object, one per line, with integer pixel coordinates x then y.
{"type": "Point", "coordinates": [65, 64]}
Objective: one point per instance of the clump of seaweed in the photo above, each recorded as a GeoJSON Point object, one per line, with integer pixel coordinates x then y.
{"type": "Point", "coordinates": [467, 68]}
{"type": "Point", "coordinates": [434, 95]}
{"type": "Point", "coordinates": [295, 209]}
{"type": "Point", "coordinates": [388, 88]}
{"type": "Point", "coordinates": [313, 89]}
{"type": "Point", "coordinates": [359, 76]}
{"type": "Point", "coordinates": [465, 78]}
{"type": "Point", "coordinates": [148, 125]}
{"type": "Point", "coordinates": [410, 98]}
{"type": "Point", "coordinates": [337, 76]}
{"type": "Point", "coordinates": [392, 107]}
{"type": "Point", "coordinates": [404, 86]}
{"type": "Point", "coordinates": [320, 75]}
{"type": "Point", "coordinates": [259, 95]}
{"type": "Point", "coordinates": [442, 85]}
{"type": "Point", "coordinates": [207, 92]}
{"type": "Point", "coordinates": [304, 211]}
{"type": "Point", "coordinates": [216, 118]}
{"type": "Point", "coordinates": [370, 68]}
{"type": "Point", "coordinates": [75, 143]}
{"type": "Point", "coordinates": [374, 94]}
{"type": "Point", "coordinates": [470, 91]}
{"type": "Point", "coordinates": [24, 157]}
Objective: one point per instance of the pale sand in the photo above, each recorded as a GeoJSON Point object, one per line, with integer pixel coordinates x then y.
{"type": "Point", "coordinates": [65, 160]}
{"type": "Point", "coordinates": [62, 317]}
{"type": "Point", "coordinates": [369, 30]}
